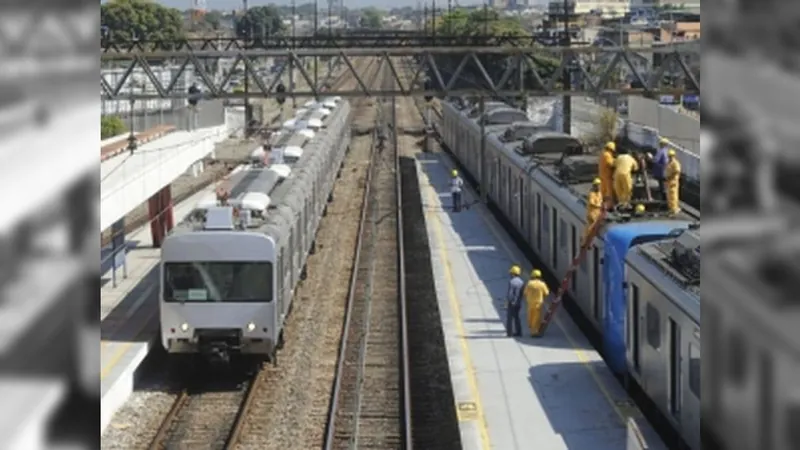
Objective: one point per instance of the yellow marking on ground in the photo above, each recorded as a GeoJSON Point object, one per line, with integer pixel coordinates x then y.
{"type": "Point", "coordinates": [474, 412]}
{"type": "Point", "coordinates": [120, 352]}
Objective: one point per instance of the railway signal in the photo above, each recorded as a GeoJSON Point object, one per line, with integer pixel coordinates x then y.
{"type": "Point", "coordinates": [280, 93]}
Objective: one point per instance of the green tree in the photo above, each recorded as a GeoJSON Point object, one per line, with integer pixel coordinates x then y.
{"type": "Point", "coordinates": [464, 25]}
{"type": "Point", "coordinates": [371, 18]}
{"type": "Point", "coordinates": [260, 21]}
{"type": "Point", "coordinates": [213, 19]}
{"type": "Point", "coordinates": [111, 126]}
{"type": "Point", "coordinates": [141, 19]}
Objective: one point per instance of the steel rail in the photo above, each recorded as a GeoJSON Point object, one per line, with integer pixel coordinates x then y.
{"type": "Point", "coordinates": [343, 346]}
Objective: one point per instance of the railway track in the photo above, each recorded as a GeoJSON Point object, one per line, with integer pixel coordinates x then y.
{"type": "Point", "coordinates": [370, 404]}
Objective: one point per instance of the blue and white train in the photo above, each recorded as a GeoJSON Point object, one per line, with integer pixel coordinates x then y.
{"type": "Point", "coordinates": [539, 180]}
{"type": "Point", "coordinates": [228, 273]}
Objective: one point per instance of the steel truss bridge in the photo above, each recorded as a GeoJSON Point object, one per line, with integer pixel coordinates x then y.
{"type": "Point", "coordinates": [519, 57]}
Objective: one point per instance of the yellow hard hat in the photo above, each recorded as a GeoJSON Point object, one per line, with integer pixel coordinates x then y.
{"type": "Point", "coordinates": [536, 273]}
{"type": "Point", "coordinates": [640, 208]}
{"type": "Point", "coordinates": [454, 173]}
{"type": "Point", "coordinates": [611, 146]}
{"type": "Point", "coordinates": [663, 141]}
{"type": "Point", "coordinates": [670, 152]}
{"type": "Point", "coordinates": [515, 270]}
{"type": "Point", "coordinates": [596, 182]}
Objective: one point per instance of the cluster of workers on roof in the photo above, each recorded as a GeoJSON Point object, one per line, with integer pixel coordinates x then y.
{"type": "Point", "coordinates": [614, 186]}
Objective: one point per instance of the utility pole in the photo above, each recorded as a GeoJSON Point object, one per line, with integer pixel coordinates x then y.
{"type": "Point", "coordinates": [294, 43]}
{"type": "Point", "coordinates": [567, 100]}
{"type": "Point", "coordinates": [248, 113]}
{"type": "Point", "coordinates": [316, 27]}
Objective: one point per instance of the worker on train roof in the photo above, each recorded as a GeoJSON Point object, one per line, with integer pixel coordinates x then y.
{"type": "Point", "coordinates": [535, 292]}
{"type": "Point", "coordinates": [456, 184]}
{"type": "Point", "coordinates": [659, 168]}
{"type": "Point", "coordinates": [594, 206]}
{"type": "Point", "coordinates": [672, 180]}
{"type": "Point", "coordinates": [605, 171]}
{"type": "Point", "coordinates": [513, 302]}
{"type": "Point", "coordinates": [624, 166]}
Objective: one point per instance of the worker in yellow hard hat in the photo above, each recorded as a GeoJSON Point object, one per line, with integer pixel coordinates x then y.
{"type": "Point", "coordinates": [456, 185]}
{"type": "Point", "coordinates": [605, 171]}
{"type": "Point", "coordinates": [535, 293]}
{"type": "Point", "coordinates": [594, 206]}
{"type": "Point", "coordinates": [514, 302]}
{"type": "Point", "coordinates": [672, 179]}
{"type": "Point", "coordinates": [624, 166]}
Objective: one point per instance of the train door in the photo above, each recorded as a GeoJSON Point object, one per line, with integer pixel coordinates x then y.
{"type": "Point", "coordinates": [279, 282]}
{"type": "Point", "coordinates": [691, 397]}
{"type": "Point", "coordinates": [633, 330]}
{"type": "Point", "coordinates": [554, 248]}
{"type": "Point", "coordinates": [573, 250]}
{"type": "Point", "coordinates": [510, 189]}
{"type": "Point", "coordinates": [545, 233]}
{"type": "Point", "coordinates": [675, 370]}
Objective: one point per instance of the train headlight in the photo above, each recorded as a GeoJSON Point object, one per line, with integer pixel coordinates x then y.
{"type": "Point", "coordinates": [251, 326]}
{"type": "Point", "coordinates": [184, 327]}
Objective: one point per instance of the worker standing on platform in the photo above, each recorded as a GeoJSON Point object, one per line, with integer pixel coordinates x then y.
{"type": "Point", "coordinates": [673, 178]}
{"type": "Point", "coordinates": [514, 302]}
{"type": "Point", "coordinates": [535, 293]}
{"type": "Point", "coordinates": [594, 206]}
{"type": "Point", "coordinates": [624, 166]}
{"type": "Point", "coordinates": [456, 184]}
{"type": "Point", "coordinates": [605, 171]}
{"type": "Point", "coordinates": [660, 161]}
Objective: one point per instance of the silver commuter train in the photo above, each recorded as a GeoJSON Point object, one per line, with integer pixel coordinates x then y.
{"type": "Point", "coordinates": [662, 327]}
{"type": "Point", "coordinates": [750, 306]}
{"type": "Point", "coordinates": [227, 282]}
{"type": "Point", "coordinates": [539, 179]}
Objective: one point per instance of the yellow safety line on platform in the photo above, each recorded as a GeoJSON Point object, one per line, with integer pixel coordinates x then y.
{"type": "Point", "coordinates": [572, 342]}
{"type": "Point", "coordinates": [117, 356]}
{"type": "Point", "coordinates": [456, 310]}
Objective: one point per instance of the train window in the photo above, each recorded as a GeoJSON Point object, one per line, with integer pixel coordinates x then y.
{"type": "Point", "coordinates": [545, 219]}
{"type": "Point", "coordinates": [539, 216]}
{"type": "Point", "coordinates": [562, 238]}
{"type": "Point", "coordinates": [674, 367]}
{"type": "Point", "coordinates": [737, 357]}
{"type": "Point", "coordinates": [633, 325]}
{"type": "Point", "coordinates": [694, 370]}
{"type": "Point", "coordinates": [792, 426]}
{"type": "Point", "coordinates": [653, 327]}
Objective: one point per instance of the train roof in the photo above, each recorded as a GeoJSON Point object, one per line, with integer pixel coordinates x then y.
{"type": "Point", "coordinates": [563, 160]}
{"type": "Point", "coordinates": [287, 194]}
{"type": "Point", "coordinates": [756, 278]}
{"type": "Point", "coordinates": [678, 258]}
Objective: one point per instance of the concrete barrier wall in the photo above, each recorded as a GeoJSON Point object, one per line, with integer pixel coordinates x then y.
{"type": "Point", "coordinates": [681, 129]}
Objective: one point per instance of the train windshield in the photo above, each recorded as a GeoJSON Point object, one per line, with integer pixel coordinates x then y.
{"type": "Point", "coordinates": [215, 282]}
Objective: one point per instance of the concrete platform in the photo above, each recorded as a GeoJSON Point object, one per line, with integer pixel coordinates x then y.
{"type": "Point", "coordinates": [129, 315]}
{"type": "Point", "coordinates": [548, 393]}
{"type": "Point", "coordinates": [28, 406]}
